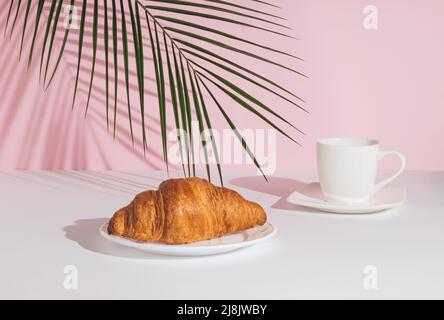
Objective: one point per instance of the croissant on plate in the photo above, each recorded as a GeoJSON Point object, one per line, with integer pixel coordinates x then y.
{"type": "Point", "coordinates": [184, 211]}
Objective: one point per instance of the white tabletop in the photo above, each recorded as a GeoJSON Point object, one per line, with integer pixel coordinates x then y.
{"type": "Point", "coordinates": [51, 220]}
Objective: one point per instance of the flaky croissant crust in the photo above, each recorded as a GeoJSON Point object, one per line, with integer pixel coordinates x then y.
{"type": "Point", "coordinates": [184, 211]}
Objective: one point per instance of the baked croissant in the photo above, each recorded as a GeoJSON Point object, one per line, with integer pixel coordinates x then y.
{"type": "Point", "coordinates": [183, 211]}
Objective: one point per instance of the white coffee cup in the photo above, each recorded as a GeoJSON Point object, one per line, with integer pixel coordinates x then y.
{"type": "Point", "coordinates": [347, 168]}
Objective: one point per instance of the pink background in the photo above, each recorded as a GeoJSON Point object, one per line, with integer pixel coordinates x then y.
{"type": "Point", "coordinates": [386, 83]}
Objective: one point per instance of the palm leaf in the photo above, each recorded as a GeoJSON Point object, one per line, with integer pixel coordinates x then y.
{"type": "Point", "coordinates": [173, 98]}
{"type": "Point", "coordinates": [230, 62]}
{"type": "Point", "coordinates": [245, 8]}
{"type": "Point", "coordinates": [221, 33]}
{"type": "Point", "coordinates": [138, 50]}
{"type": "Point", "coordinates": [125, 63]}
{"type": "Point", "coordinates": [141, 72]}
{"type": "Point", "coordinates": [188, 112]}
{"type": "Point", "coordinates": [79, 57]}
{"type": "Point", "coordinates": [189, 65]}
{"type": "Point", "coordinates": [160, 85]}
{"type": "Point", "coordinates": [200, 121]}
{"type": "Point", "coordinates": [182, 105]}
{"type": "Point", "coordinates": [248, 96]}
{"type": "Point", "coordinates": [25, 22]}
{"type": "Point", "coordinates": [94, 41]}
{"type": "Point", "coordinates": [48, 27]}
{"type": "Point", "coordinates": [240, 75]}
{"type": "Point", "coordinates": [9, 15]}
{"type": "Point", "coordinates": [53, 34]}
{"type": "Point", "coordinates": [248, 107]}
{"type": "Point", "coordinates": [208, 123]}
{"type": "Point", "coordinates": [228, 47]}
{"type": "Point", "coordinates": [266, 3]}
{"type": "Point", "coordinates": [214, 8]}
{"type": "Point", "coordinates": [213, 17]}
{"type": "Point", "coordinates": [62, 48]}
{"type": "Point", "coordinates": [17, 10]}
{"type": "Point", "coordinates": [116, 74]}
{"type": "Point", "coordinates": [37, 19]}
{"type": "Point", "coordinates": [233, 127]}
{"type": "Point", "coordinates": [106, 45]}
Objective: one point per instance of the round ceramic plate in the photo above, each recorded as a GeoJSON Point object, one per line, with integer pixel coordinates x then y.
{"type": "Point", "coordinates": [311, 196]}
{"type": "Point", "coordinates": [223, 244]}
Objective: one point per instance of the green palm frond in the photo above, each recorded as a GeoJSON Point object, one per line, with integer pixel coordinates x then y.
{"type": "Point", "coordinates": [116, 64]}
{"type": "Point", "coordinates": [187, 56]}
{"type": "Point", "coordinates": [19, 3]}
{"type": "Point", "coordinates": [94, 41]}
{"type": "Point", "coordinates": [79, 56]}
{"type": "Point", "coordinates": [106, 48]}
{"type": "Point", "coordinates": [11, 5]}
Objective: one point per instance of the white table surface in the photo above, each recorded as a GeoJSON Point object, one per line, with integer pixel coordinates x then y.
{"type": "Point", "coordinates": [51, 219]}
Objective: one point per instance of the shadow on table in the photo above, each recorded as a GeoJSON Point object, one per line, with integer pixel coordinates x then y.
{"type": "Point", "coordinates": [284, 187]}
{"type": "Point", "coordinates": [86, 233]}
{"type": "Point", "coordinates": [277, 187]}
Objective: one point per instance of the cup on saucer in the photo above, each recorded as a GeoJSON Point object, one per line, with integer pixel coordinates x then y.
{"type": "Point", "coordinates": [347, 169]}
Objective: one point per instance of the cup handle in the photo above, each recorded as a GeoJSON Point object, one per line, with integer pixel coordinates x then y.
{"type": "Point", "coordinates": [401, 157]}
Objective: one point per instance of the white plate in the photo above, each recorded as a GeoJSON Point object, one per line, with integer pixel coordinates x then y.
{"type": "Point", "coordinates": [223, 244]}
{"type": "Point", "coordinates": [311, 196]}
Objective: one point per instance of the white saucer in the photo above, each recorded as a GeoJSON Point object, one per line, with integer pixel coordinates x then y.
{"type": "Point", "coordinates": [223, 244]}
{"type": "Point", "coordinates": [311, 196]}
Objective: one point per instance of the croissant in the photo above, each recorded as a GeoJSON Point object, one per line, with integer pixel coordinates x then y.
{"type": "Point", "coordinates": [184, 211]}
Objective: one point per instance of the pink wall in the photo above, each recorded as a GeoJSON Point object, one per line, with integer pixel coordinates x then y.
{"type": "Point", "coordinates": [386, 83]}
